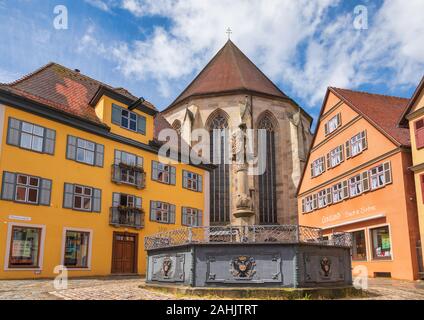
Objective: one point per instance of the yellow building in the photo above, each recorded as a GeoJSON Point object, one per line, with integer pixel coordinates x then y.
{"type": "Point", "coordinates": [414, 119]}
{"type": "Point", "coordinates": [81, 184]}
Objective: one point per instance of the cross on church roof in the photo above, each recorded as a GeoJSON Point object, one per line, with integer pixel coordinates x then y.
{"type": "Point", "coordinates": [229, 32]}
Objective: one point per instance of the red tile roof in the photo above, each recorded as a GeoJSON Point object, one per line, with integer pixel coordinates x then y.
{"type": "Point", "coordinates": [383, 111]}
{"type": "Point", "coordinates": [230, 70]}
{"type": "Point", "coordinates": [63, 89]}
{"type": "Point", "coordinates": [403, 121]}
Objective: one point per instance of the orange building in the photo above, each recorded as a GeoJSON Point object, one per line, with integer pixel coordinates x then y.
{"type": "Point", "coordinates": [357, 180]}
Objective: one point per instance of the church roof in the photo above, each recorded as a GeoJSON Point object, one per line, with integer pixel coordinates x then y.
{"type": "Point", "coordinates": [230, 71]}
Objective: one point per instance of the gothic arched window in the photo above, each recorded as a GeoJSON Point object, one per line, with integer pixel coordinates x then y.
{"type": "Point", "coordinates": [220, 177]}
{"type": "Point", "coordinates": [267, 181]}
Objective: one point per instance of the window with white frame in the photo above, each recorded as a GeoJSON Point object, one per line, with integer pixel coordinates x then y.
{"type": "Point", "coordinates": [27, 189]}
{"type": "Point", "coordinates": [128, 119]}
{"type": "Point", "coordinates": [338, 192]}
{"type": "Point", "coordinates": [85, 151]}
{"type": "Point", "coordinates": [333, 124]}
{"type": "Point", "coordinates": [82, 198]}
{"type": "Point", "coordinates": [380, 176]}
{"type": "Point", "coordinates": [318, 167]}
{"type": "Point", "coordinates": [32, 137]}
{"type": "Point", "coordinates": [358, 143]}
{"type": "Point", "coordinates": [162, 212]}
{"type": "Point", "coordinates": [76, 251]}
{"type": "Point", "coordinates": [25, 247]}
{"type": "Point", "coordinates": [336, 156]}
{"type": "Point", "coordinates": [355, 185]}
{"type": "Point", "coordinates": [191, 217]}
{"type": "Point", "coordinates": [308, 204]}
{"type": "Point", "coordinates": [322, 198]}
{"type": "Point", "coordinates": [163, 173]}
{"type": "Point", "coordinates": [192, 181]}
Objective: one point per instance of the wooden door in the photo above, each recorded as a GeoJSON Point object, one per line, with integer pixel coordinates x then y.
{"type": "Point", "coordinates": [124, 255]}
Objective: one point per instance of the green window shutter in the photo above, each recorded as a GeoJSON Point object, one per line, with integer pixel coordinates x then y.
{"type": "Point", "coordinates": [173, 176]}
{"type": "Point", "coordinates": [152, 210]}
{"type": "Point", "coordinates": [184, 216]}
{"type": "Point", "coordinates": [185, 179]}
{"type": "Point", "coordinates": [138, 202]}
{"type": "Point", "coordinates": [49, 141]}
{"type": "Point", "coordinates": [199, 218]}
{"type": "Point", "coordinates": [45, 192]}
{"type": "Point", "coordinates": [387, 173]}
{"type": "Point", "coordinates": [116, 199]}
{"type": "Point", "coordinates": [100, 150]}
{"type": "Point", "coordinates": [141, 124]}
{"type": "Point", "coordinates": [364, 140]}
{"type": "Point", "coordinates": [68, 196]}
{"type": "Point", "coordinates": [154, 170]}
{"type": "Point", "coordinates": [71, 149]}
{"type": "Point", "coordinates": [365, 182]}
{"type": "Point", "coordinates": [116, 114]}
{"type": "Point", "coordinates": [348, 153]}
{"type": "Point", "coordinates": [171, 214]}
{"type": "Point", "coordinates": [140, 162]}
{"type": "Point", "coordinates": [8, 188]}
{"type": "Point", "coordinates": [97, 200]}
{"type": "Point", "coordinates": [199, 183]}
{"type": "Point", "coordinates": [118, 156]}
{"type": "Point", "coordinates": [139, 176]}
{"type": "Point", "coordinates": [14, 132]}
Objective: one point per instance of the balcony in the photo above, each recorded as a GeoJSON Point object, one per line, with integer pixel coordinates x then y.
{"type": "Point", "coordinates": [127, 217]}
{"type": "Point", "coordinates": [129, 174]}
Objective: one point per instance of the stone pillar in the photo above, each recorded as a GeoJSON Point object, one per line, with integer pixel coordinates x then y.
{"type": "Point", "coordinates": [244, 214]}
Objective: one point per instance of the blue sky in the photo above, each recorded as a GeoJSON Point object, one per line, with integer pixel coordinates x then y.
{"type": "Point", "coordinates": [154, 48]}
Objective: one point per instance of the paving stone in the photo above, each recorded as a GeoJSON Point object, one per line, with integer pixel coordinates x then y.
{"type": "Point", "coordinates": [128, 289]}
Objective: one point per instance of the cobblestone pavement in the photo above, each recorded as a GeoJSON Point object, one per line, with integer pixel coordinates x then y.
{"type": "Point", "coordinates": [386, 289]}
{"type": "Point", "coordinates": [128, 289]}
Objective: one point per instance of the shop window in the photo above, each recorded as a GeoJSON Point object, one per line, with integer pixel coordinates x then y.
{"type": "Point", "coordinates": [76, 249]}
{"type": "Point", "coordinates": [359, 248]}
{"type": "Point", "coordinates": [381, 244]}
{"type": "Point", "coordinates": [24, 247]}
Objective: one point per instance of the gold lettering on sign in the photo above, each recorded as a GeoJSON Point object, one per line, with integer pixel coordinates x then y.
{"type": "Point", "coordinates": [348, 214]}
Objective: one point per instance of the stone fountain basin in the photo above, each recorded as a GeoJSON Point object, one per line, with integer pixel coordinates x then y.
{"type": "Point", "coordinates": [250, 265]}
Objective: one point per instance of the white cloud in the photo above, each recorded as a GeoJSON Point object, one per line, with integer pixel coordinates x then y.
{"type": "Point", "coordinates": [7, 76]}
{"type": "Point", "coordinates": [297, 43]}
{"type": "Point", "coordinates": [101, 4]}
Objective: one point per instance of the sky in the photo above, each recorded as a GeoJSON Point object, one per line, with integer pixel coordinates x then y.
{"type": "Point", "coordinates": [154, 48]}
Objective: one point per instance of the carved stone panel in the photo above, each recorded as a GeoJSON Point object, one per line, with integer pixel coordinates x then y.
{"type": "Point", "coordinates": [168, 268]}
{"type": "Point", "coordinates": [323, 268]}
{"type": "Point", "coordinates": [258, 268]}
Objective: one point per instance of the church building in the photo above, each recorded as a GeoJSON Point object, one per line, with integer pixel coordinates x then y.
{"type": "Point", "coordinates": [213, 101]}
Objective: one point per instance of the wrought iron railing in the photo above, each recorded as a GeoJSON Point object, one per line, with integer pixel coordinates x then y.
{"type": "Point", "coordinates": [245, 234]}
{"type": "Point", "coordinates": [126, 217]}
{"type": "Point", "coordinates": [131, 175]}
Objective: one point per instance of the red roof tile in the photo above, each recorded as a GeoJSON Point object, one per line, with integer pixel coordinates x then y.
{"type": "Point", "coordinates": [230, 70]}
{"type": "Point", "coordinates": [64, 89]}
{"type": "Point", "coordinates": [383, 111]}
